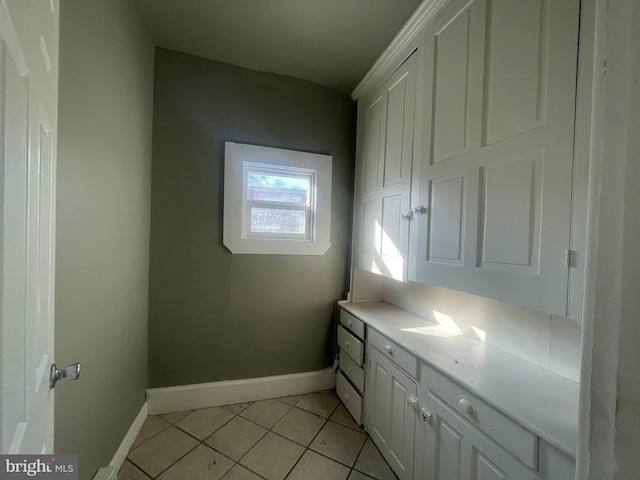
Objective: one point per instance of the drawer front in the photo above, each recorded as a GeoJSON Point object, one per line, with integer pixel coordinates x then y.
{"type": "Point", "coordinates": [354, 372]}
{"type": "Point", "coordinates": [394, 352]}
{"type": "Point", "coordinates": [351, 345]}
{"type": "Point", "coordinates": [352, 323]}
{"type": "Point", "coordinates": [512, 436]}
{"type": "Point", "coordinates": [350, 397]}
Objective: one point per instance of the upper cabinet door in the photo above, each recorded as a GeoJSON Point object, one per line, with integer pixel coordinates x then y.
{"type": "Point", "coordinates": [383, 178]}
{"type": "Point", "coordinates": [497, 150]}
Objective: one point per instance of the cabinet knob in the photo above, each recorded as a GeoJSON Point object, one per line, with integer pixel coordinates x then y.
{"type": "Point", "coordinates": [420, 210]}
{"type": "Point", "coordinates": [346, 343]}
{"type": "Point", "coordinates": [388, 349]}
{"type": "Point", "coordinates": [408, 216]}
{"type": "Point", "coordinates": [349, 323]}
{"type": "Point", "coordinates": [465, 405]}
{"type": "Point", "coordinates": [412, 402]}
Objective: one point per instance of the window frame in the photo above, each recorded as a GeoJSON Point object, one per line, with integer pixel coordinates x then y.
{"type": "Point", "coordinates": [237, 237]}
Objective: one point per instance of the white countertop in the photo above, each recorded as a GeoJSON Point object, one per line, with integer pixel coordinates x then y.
{"type": "Point", "coordinates": [542, 401]}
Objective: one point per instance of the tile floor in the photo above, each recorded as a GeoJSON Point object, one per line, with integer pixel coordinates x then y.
{"type": "Point", "coordinates": [304, 437]}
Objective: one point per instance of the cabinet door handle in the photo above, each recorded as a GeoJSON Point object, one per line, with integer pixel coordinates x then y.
{"type": "Point", "coordinates": [388, 349]}
{"type": "Point", "coordinates": [427, 416]}
{"type": "Point", "coordinates": [412, 402]}
{"type": "Point", "coordinates": [466, 405]}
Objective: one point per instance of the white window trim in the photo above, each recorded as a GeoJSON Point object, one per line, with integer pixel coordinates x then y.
{"type": "Point", "coordinates": [237, 155]}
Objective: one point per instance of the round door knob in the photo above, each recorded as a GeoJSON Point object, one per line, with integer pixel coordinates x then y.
{"type": "Point", "coordinates": [388, 348]}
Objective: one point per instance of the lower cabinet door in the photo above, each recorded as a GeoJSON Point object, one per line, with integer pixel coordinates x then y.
{"type": "Point", "coordinates": [450, 448]}
{"type": "Point", "coordinates": [392, 404]}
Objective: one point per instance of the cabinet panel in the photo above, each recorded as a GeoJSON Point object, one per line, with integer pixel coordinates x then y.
{"type": "Point", "coordinates": [374, 147]}
{"type": "Point", "coordinates": [510, 214]}
{"type": "Point", "coordinates": [391, 418]}
{"type": "Point", "coordinates": [451, 51]}
{"type": "Point", "coordinates": [446, 231]}
{"type": "Point", "coordinates": [398, 152]}
{"type": "Point", "coordinates": [516, 64]}
{"type": "Point", "coordinates": [394, 352]}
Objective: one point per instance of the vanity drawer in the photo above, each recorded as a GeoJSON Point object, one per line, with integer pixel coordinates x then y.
{"type": "Point", "coordinates": [394, 352]}
{"type": "Point", "coordinates": [352, 371]}
{"type": "Point", "coordinates": [350, 397]}
{"type": "Point", "coordinates": [352, 323]}
{"type": "Point", "coordinates": [351, 345]}
{"type": "Point", "coordinates": [516, 439]}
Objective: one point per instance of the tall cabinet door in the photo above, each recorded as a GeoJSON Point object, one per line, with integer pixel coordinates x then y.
{"type": "Point", "coordinates": [383, 180]}
{"type": "Point", "coordinates": [391, 418]}
{"type": "Point", "coordinates": [497, 150]}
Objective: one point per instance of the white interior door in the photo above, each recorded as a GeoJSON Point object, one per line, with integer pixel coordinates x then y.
{"type": "Point", "coordinates": [28, 117]}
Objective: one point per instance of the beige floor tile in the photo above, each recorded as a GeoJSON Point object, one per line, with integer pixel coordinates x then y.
{"type": "Point", "coordinates": [343, 417]}
{"type": "Point", "coordinates": [236, 407]}
{"type": "Point", "coordinates": [371, 462]}
{"type": "Point", "coordinates": [355, 475]}
{"type": "Point", "coordinates": [291, 400]}
{"type": "Point", "coordinates": [201, 463]}
{"type": "Point", "coordinates": [313, 466]}
{"type": "Point", "coordinates": [272, 457]}
{"type": "Point", "coordinates": [321, 403]}
{"type": "Point", "coordinates": [299, 426]}
{"type": "Point", "coordinates": [130, 472]}
{"type": "Point", "coordinates": [159, 452]}
{"type": "Point", "coordinates": [238, 472]}
{"type": "Point", "coordinates": [236, 437]}
{"type": "Point", "coordinates": [203, 422]}
{"type": "Point", "coordinates": [175, 416]}
{"type": "Point", "coordinates": [265, 412]}
{"type": "Point", "coordinates": [151, 426]}
{"type": "Point", "coordinates": [339, 443]}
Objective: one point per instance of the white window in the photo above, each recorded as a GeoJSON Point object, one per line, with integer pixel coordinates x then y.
{"type": "Point", "coordinates": [276, 201]}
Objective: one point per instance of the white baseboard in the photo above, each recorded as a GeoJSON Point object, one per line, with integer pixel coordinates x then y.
{"type": "Point", "coordinates": [202, 395]}
{"type": "Point", "coordinates": [111, 472]}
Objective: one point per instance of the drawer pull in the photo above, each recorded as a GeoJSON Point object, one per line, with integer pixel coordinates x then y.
{"type": "Point", "coordinates": [346, 343]}
{"type": "Point", "coordinates": [465, 405]}
{"type": "Point", "coordinates": [388, 349]}
{"type": "Point", "coordinates": [350, 324]}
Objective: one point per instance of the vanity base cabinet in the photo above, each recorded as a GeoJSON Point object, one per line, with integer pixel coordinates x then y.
{"type": "Point", "coordinates": [392, 405]}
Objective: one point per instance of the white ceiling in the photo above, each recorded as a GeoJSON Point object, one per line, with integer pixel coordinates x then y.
{"type": "Point", "coordinates": [329, 42]}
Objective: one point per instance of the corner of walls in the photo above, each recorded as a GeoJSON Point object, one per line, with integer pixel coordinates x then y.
{"type": "Point", "coordinates": [103, 205]}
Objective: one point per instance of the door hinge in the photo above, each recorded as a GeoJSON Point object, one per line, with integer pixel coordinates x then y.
{"type": "Point", "coordinates": [572, 259]}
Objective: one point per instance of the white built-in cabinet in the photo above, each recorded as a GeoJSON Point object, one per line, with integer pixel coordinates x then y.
{"type": "Point", "coordinates": [469, 158]}
{"type": "Point", "coordinates": [385, 131]}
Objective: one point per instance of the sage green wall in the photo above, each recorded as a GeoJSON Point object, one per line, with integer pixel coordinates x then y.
{"type": "Point", "coordinates": [102, 255]}
{"type": "Point", "coordinates": [213, 315]}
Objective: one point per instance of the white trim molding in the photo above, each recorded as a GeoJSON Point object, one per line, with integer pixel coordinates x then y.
{"type": "Point", "coordinates": [202, 395]}
{"type": "Point", "coordinates": [111, 472]}
{"type": "Point", "coordinates": [402, 45]}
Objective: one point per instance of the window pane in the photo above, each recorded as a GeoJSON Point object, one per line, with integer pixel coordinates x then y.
{"type": "Point", "coordinates": [275, 220]}
{"type": "Point", "coordinates": [277, 188]}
